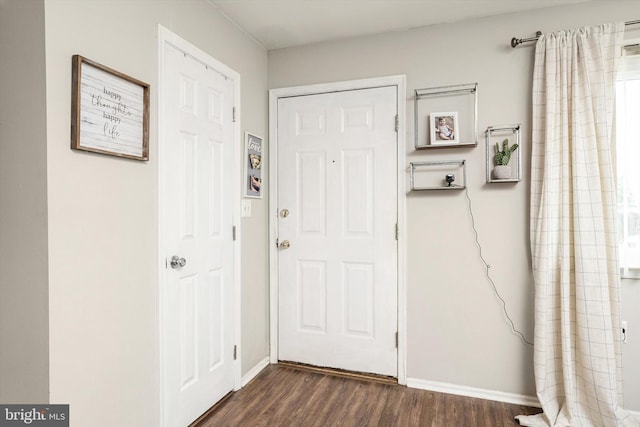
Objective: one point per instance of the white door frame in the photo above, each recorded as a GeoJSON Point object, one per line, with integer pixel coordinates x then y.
{"type": "Point", "coordinates": [274, 94]}
{"type": "Point", "coordinates": [166, 37]}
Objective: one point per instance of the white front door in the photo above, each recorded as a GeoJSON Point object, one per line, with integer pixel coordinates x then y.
{"type": "Point", "coordinates": [337, 213]}
{"type": "Point", "coordinates": [197, 298]}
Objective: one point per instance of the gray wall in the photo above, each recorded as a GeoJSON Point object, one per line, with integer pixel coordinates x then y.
{"type": "Point", "coordinates": [103, 220]}
{"type": "Point", "coordinates": [457, 333]}
{"type": "Point", "coordinates": [24, 344]}
{"type": "Point", "coordinates": [99, 212]}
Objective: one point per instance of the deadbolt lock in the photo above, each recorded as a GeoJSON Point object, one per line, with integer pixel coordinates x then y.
{"type": "Point", "coordinates": [178, 262]}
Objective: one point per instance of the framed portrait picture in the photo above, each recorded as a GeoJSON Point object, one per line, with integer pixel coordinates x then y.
{"type": "Point", "coordinates": [253, 166]}
{"type": "Point", "coordinates": [444, 128]}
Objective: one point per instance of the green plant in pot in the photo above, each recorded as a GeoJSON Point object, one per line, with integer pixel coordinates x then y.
{"type": "Point", "coordinates": [502, 157]}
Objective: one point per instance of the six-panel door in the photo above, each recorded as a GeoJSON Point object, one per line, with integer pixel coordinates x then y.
{"type": "Point", "coordinates": [338, 278]}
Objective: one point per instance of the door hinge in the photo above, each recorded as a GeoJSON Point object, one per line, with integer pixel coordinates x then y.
{"type": "Point", "coordinates": [397, 231]}
{"type": "Point", "coordinates": [234, 114]}
{"type": "Point", "coordinates": [397, 123]}
{"type": "Point", "coordinates": [234, 233]}
{"type": "Point", "coordinates": [235, 352]}
{"type": "Point", "coordinates": [396, 340]}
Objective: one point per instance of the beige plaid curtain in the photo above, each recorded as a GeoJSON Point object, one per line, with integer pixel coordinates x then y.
{"type": "Point", "coordinates": [577, 352]}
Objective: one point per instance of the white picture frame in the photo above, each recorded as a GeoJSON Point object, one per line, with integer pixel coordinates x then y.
{"type": "Point", "coordinates": [253, 161]}
{"type": "Point", "coordinates": [444, 128]}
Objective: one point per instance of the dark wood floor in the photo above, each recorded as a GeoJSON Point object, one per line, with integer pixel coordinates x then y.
{"type": "Point", "coordinates": [288, 396]}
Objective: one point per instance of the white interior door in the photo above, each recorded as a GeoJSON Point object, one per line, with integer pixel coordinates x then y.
{"type": "Point", "coordinates": [337, 204]}
{"type": "Point", "coordinates": [197, 299]}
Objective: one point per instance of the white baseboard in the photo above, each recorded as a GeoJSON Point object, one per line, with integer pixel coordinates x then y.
{"type": "Point", "coordinates": [246, 379]}
{"type": "Point", "coordinates": [635, 414]}
{"type": "Point", "coordinates": [461, 390]}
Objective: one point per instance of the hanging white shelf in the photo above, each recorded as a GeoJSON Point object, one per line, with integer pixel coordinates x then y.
{"type": "Point", "coordinates": [438, 175]}
{"type": "Point", "coordinates": [457, 105]}
{"type": "Point", "coordinates": [497, 135]}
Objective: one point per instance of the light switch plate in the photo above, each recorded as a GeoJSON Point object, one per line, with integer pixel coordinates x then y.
{"type": "Point", "coordinates": [246, 208]}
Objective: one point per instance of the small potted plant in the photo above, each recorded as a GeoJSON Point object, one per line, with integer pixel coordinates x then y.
{"type": "Point", "coordinates": [502, 157]}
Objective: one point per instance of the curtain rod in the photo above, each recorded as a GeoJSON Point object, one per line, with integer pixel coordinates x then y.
{"type": "Point", "coordinates": [515, 41]}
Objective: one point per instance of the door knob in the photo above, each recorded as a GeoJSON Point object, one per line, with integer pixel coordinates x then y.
{"type": "Point", "coordinates": [284, 213]}
{"type": "Point", "coordinates": [177, 262]}
{"type": "Point", "coordinates": [285, 244]}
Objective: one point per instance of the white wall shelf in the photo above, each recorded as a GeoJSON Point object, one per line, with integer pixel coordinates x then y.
{"type": "Point", "coordinates": [435, 175]}
{"type": "Point", "coordinates": [496, 135]}
{"type": "Point", "coordinates": [461, 99]}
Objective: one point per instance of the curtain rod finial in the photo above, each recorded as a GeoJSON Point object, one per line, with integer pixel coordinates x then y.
{"type": "Point", "coordinates": [515, 41]}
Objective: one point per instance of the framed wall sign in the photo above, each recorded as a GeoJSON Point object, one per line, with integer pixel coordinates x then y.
{"type": "Point", "coordinates": [109, 111]}
{"type": "Point", "coordinates": [253, 165]}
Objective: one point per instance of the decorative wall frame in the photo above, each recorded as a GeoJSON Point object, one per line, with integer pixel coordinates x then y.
{"type": "Point", "coordinates": [498, 135]}
{"type": "Point", "coordinates": [462, 98]}
{"type": "Point", "coordinates": [109, 111]}
{"type": "Point", "coordinates": [438, 175]}
{"type": "Point", "coordinates": [253, 166]}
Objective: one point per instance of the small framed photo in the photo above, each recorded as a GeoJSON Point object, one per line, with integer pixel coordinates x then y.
{"type": "Point", "coordinates": [253, 166]}
{"type": "Point", "coordinates": [444, 128]}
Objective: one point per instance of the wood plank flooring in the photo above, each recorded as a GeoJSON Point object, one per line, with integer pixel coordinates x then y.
{"type": "Point", "coordinates": [289, 396]}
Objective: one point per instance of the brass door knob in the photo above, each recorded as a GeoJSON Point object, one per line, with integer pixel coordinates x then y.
{"type": "Point", "coordinates": [285, 244]}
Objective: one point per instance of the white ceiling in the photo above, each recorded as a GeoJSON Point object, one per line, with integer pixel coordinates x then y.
{"type": "Point", "coordinates": [283, 23]}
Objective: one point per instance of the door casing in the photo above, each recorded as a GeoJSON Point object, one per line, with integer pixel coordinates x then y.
{"type": "Point", "coordinates": [166, 37]}
{"type": "Point", "coordinates": [274, 94]}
